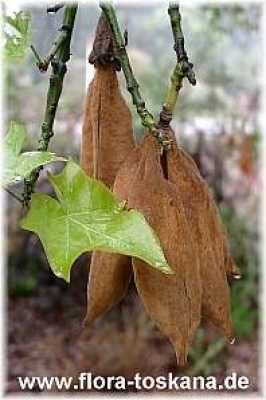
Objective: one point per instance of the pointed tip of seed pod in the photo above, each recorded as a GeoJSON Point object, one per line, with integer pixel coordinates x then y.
{"type": "Point", "coordinates": [233, 270]}
{"type": "Point", "coordinates": [182, 360]}
{"type": "Point", "coordinates": [84, 323]}
{"type": "Point", "coordinates": [230, 334]}
{"type": "Point", "coordinates": [181, 350]}
{"type": "Point", "coordinates": [89, 318]}
{"type": "Point", "coordinates": [228, 330]}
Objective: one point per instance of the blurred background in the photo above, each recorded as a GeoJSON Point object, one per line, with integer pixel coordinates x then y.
{"type": "Point", "coordinates": [216, 122]}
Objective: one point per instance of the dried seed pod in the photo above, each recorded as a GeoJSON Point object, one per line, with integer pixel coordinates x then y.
{"type": "Point", "coordinates": [172, 301]}
{"type": "Point", "coordinates": [216, 306]}
{"type": "Point", "coordinates": [110, 273]}
{"type": "Point", "coordinates": [222, 245]}
{"type": "Point", "coordinates": [107, 138]}
{"type": "Point", "coordinates": [107, 135]}
{"type": "Point", "coordinates": [220, 241]}
{"type": "Point", "coordinates": [126, 175]}
{"type": "Point", "coordinates": [109, 278]}
{"type": "Point", "coordinates": [104, 51]}
{"type": "Point", "coordinates": [207, 229]}
{"type": "Point", "coordinates": [215, 223]}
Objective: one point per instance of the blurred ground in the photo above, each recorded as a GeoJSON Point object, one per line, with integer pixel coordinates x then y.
{"type": "Point", "coordinates": [51, 341]}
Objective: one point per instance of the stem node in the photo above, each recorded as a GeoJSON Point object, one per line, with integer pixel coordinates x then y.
{"type": "Point", "coordinates": [58, 57]}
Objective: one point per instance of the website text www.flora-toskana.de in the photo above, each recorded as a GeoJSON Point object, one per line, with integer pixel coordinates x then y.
{"type": "Point", "coordinates": [87, 381]}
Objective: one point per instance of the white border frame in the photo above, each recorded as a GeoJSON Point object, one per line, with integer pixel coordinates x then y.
{"type": "Point", "coordinates": [16, 4]}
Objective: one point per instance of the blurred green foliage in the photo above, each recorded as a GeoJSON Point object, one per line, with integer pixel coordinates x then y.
{"type": "Point", "coordinates": [206, 362]}
{"type": "Point", "coordinates": [17, 30]}
{"type": "Point", "coordinates": [244, 292]}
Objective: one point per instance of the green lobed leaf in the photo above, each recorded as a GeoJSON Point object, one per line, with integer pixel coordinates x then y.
{"type": "Point", "coordinates": [18, 40]}
{"type": "Point", "coordinates": [88, 217]}
{"type": "Point", "coordinates": [17, 166]}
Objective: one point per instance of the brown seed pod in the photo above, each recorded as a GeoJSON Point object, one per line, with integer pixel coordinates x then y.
{"type": "Point", "coordinates": [109, 278]}
{"type": "Point", "coordinates": [107, 135]}
{"type": "Point", "coordinates": [107, 138]}
{"type": "Point", "coordinates": [172, 301]}
{"type": "Point", "coordinates": [110, 273]}
{"type": "Point", "coordinates": [220, 241]}
{"type": "Point", "coordinates": [209, 234]}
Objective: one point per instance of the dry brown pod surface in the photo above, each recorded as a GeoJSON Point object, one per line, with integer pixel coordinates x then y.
{"type": "Point", "coordinates": [220, 242]}
{"type": "Point", "coordinates": [210, 236]}
{"type": "Point", "coordinates": [172, 301]}
{"type": "Point", "coordinates": [107, 135]}
{"type": "Point", "coordinates": [110, 273]}
{"type": "Point", "coordinates": [109, 278]}
{"type": "Point", "coordinates": [178, 205]}
{"type": "Point", "coordinates": [107, 138]}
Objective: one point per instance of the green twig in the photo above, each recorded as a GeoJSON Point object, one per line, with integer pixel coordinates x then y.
{"type": "Point", "coordinates": [182, 69]}
{"type": "Point", "coordinates": [185, 66]}
{"type": "Point", "coordinates": [147, 119]}
{"type": "Point", "coordinates": [36, 55]}
{"type": "Point", "coordinates": [61, 51]}
{"type": "Point", "coordinates": [59, 43]}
